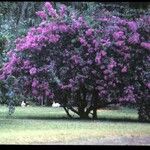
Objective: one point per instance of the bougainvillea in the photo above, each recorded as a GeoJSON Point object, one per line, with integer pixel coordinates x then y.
{"type": "Point", "coordinates": [82, 66]}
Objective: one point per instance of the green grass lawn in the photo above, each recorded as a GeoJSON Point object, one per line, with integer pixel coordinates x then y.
{"type": "Point", "coordinates": [42, 125]}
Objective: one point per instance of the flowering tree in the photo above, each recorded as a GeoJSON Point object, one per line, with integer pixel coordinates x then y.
{"type": "Point", "coordinates": [82, 66]}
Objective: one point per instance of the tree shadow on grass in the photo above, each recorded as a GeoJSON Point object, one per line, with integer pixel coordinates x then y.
{"type": "Point", "coordinates": [65, 118]}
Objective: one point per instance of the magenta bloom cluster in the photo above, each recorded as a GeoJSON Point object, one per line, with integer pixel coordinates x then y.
{"type": "Point", "coordinates": [66, 54]}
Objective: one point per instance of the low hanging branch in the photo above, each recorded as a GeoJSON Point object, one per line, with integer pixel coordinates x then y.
{"type": "Point", "coordinates": [67, 111]}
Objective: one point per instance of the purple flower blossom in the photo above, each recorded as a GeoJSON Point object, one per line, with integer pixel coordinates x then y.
{"type": "Point", "coordinates": [82, 41]}
{"type": "Point", "coordinates": [112, 64]}
{"type": "Point", "coordinates": [42, 15]}
{"type": "Point", "coordinates": [145, 45]}
{"type": "Point", "coordinates": [63, 28]}
{"type": "Point", "coordinates": [51, 10]}
{"type": "Point", "coordinates": [48, 5]}
{"type": "Point", "coordinates": [89, 32]}
{"type": "Point", "coordinates": [132, 26]}
{"type": "Point", "coordinates": [134, 39]}
{"type": "Point", "coordinates": [35, 83]}
{"type": "Point", "coordinates": [119, 43]}
{"type": "Point", "coordinates": [33, 71]}
{"type": "Point", "coordinates": [98, 58]}
{"type": "Point", "coordinates": [124, 69]}
{"type": "Point", "coordinates": [128, 95]}
{"type": "Point", "coordinates": [47, 93]}
{"type": "Point", "coordinates": [148, 85]}
{"type": "Point", "coordinates": [76, 59]}
{"type": "Point", "coordinates": [96, 43]}
{"type": "Point", "coordinates": [62, 10]}
{"type": "Point", "coordinates": [9, 53]}
{"type": "Point", "coordinates": [103, 53]}
{"type": "Point", "coordinates": [118, 35]}
{"type": "Point", "coordinates": [2, 76]}
{"type": "Point", "coordinates": [26, 63]}
{"type": "Point", "coordinates": [53, 38]}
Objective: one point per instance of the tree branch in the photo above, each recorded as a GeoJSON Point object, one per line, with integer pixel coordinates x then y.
{"type": "Point", "coordinates": [89, 109]}
{"type": "Point", "coordinates": [67, 112]}
{"type": "Point", "coordinates": [75, 111]}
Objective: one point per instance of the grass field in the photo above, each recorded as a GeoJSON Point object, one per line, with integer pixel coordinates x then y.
{"type": "Point", "coordinates": [46, 125]}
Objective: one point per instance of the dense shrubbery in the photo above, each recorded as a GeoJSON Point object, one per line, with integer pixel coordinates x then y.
{"type": "Point", "coordinates": [80, 64]}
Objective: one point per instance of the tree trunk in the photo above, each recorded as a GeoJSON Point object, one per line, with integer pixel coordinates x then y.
{"type": "Point", "coordinates": [42, 102]}
{"type": "Point", "coordinates": [67, 112]}
{"type": "Point", "coordinates": [95, 97]}
{"type": "Point", "coordinates": [82, 113]}
{"type": "Point", "coordinates": [144, 111]}
{"type": "Point", "coordinates": [94, 113]}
